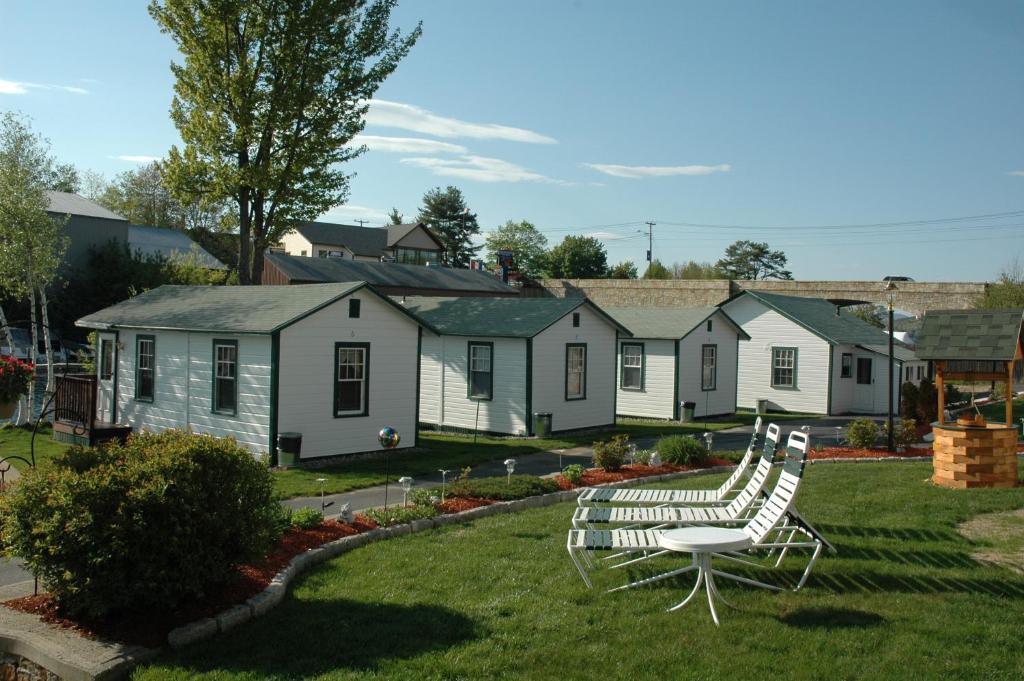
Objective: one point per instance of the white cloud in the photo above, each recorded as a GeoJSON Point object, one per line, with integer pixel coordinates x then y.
{"type": "Point", "coordinates": [135, 158]}
{"type": "Point", "coordinates": [12, 87]}
{"type": "Point", "coordinates": [388, 114]}
{"type": "Point", "coordinates": [1018, 173]}
{"type": "Point", "coordinates": [350, 213]}
{"type": "Point", "coordinates": [480, 168]}
{"type": "Point", "coordinates": [635, 172]}
{"type": "Point", "coordinates": [407, 145]}
{"type": "Point", "coordinates": [606, 236]}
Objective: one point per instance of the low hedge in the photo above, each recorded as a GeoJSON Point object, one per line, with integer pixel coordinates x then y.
{"type": "Point", "coordinates": [399, 515]}
{"type": "Point", "coordinates": [681, 450]}
{"type": "Point", "coordinates": [500, 488]}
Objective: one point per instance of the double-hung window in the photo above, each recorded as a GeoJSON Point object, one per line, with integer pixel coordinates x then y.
{"type": "Point", "coordinates": [632, 377]}
{"type": "Point", "coordinates": [481, 371]}
{"type": "Point", "coordinates": [576, 371]}
{"type": "Point", "coordinates": [351, 379]}
{"type": "Point", "coordinates": [145, 368]}
{"type": "Point", "coordinates": [846, 368]}
{"type": "Point", "coordinates": [783, 367]}
{"type": "Point", "coordinates": [225, 377]}
{"type": "Point", "coordinates": [106, 359]}
{"type": "Point", "coordinates": [708, 367]}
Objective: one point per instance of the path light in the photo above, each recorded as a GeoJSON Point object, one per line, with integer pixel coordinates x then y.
{"type": "Point", "coordinates": [406, 482]}
{"type": "Point", "coordinates": [632, 452]}
{"type": "Point", "coordinates": [510, 465]}
{"type": "Point", "coordinates": [839, 432]}
{"type": "Point", "coordinates": [708, 437]}
{"type": "Point", "coordinates": [562, 451]}
{"type": "Point", "coordinates": [444, 478]}
{"type": "Point", "coordinates": [323, 505]}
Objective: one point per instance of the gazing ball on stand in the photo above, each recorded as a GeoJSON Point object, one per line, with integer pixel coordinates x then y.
{"type": "Point", "coordinates": [388, 437]}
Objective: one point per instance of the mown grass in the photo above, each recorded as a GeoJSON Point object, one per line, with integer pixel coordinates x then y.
{"type": "Point", "coordinates": [499, 599]}
{"type": "Point", "coordinates": [17, 440]}
{"type": "Point", "coordinates": [996, 411]}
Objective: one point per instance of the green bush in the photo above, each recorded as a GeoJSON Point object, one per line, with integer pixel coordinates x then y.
{"type": "Point", "coordinates": [306, 518]}
{"type": "Point", "coordinates": [500, 488]}
{"type": "Point", "coordinates": [908, 400]}
{"type": "Point", "coordinates": [143, 526]}
{"type": "Point", "coordinates": [574, 473]}
{"type": "Point", "coordinates": [611, 455]}
{"type": "Point", "coordinates": [927, 402]}
{"type": "Point", "coordinates": [862, 433]}
{"type": "Point", "coordinates": [681, 450]}
{"type": "Point", "coordinates": [643, 457]}
{"type": "Point", "coordinates": [904, 433]}
{"type": "Point", "coordinates": [423, 497]}
{"type": "Point", "coordinates": [399, 515]}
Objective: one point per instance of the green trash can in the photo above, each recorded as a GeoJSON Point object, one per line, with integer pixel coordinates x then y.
{"type": "Point", "coordinates": [688, 409]}
{"type": "Point", "coordinates": [289, 446]}
{"type": "Point", "coordinates": [762, 407]}
{"type": "Point", "coordinates": [542, 424]}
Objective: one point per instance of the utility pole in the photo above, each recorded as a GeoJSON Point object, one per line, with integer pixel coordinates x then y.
{"type": "Point", "coordinates": [361, 222]}
{"type": "Point", "coordinates": [650, 242]}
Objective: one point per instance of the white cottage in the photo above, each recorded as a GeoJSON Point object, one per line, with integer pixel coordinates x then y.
{"type": "Point", "coordinates": [497, 361]}
{"type": "Point", "coordinates": [334, 362]}
{"type": "Point", "coordinates": [808, 355]}
{"type": "Point", "coordinates": [676, 355]}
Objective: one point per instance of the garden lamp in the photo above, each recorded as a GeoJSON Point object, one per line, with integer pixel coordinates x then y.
{"type": "Point", "coordinates": [406, 482]}
{"type": "Point", "coordinates": [708, 437]}
{"type": "Point", "coordinates": [444, 478]}
{"type": "Point", "coordinates": [632, 452]}
{"type": "Point", "coordinates": [510, 465]}
{"type": "Point", "coordinates": [839, 430]}
{"type": "Point", "coordinates": [323, 504]}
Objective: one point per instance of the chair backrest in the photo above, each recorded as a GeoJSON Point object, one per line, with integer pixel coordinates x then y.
{"type": "Point", "coordinates": [755, 484]}
{"type": "Point", "coordinates": [727, 486]}
{"type": "Point", "coordinates": [781, 498]}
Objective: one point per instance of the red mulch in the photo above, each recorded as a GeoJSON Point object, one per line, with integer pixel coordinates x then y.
{"type": "Point", "coordinates": [458, 504]}
{"type": "Point", "coordinates": [151, 629]}
{"type": "Point", "coordinates": [862, 453]}
{"type": "Point", "coordinates": [597, 476]}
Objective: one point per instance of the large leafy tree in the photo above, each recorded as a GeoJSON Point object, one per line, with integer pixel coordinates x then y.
{"type": "Point", "coordinates": [267, 98]}
{"type": "Point", "coordinates": [695, 270]}
{"type": "Point", "coordinates": [624, 270]}
{"type": "Point", "coordinates": [445, 212]}
{"type": "Point", "coordinates": [753, 260]}
{"type": "Point", "coordinates": [528, 246]}
{"type": "Point", "coordinates": [1007, 290]}
{"type": "Point", "coordinates": [578, 257]}
{"type": "Point", "coordinates": [657, 271]}
{"type": "Point", "coordinates": [141, 196]}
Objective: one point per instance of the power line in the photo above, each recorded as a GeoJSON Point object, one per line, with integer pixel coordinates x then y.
{"type": "Point", "coordinates": [931, 221]}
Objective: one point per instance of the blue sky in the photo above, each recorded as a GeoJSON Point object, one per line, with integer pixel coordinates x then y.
{"type": "Point", "coordinates": [785, 122]}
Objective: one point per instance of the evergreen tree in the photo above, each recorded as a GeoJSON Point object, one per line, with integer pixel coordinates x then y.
{"type": "Point", "coordinates": [445, 213]}
{"type": "Point", "coordinates": [753, 260]}
{"type": "Point", "coordinates": [657, 271]}
{"type": "Point", "coordinates": [395, 217]}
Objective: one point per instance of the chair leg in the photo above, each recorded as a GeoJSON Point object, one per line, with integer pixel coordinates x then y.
{"type": "Point", "coordinates": [810, 565]}
{"type": "Point", "coordinates": [657, 578]}
{"type": "Point", "coordinates": [579, 567]}
{"type": "Point", "coordinates": [744, 580]}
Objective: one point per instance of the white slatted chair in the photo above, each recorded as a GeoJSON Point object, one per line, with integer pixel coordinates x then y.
{"type": "Point", "coordinates": [590, 496]}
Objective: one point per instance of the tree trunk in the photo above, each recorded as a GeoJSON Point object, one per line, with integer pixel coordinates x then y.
{"type": "Point", "coordinates": [33, 354]}
{"type": "Point", "coordinates": [244, 237]}
{"type": "Point", "coordinates": [47, 343]}
{"type": "Point", "coordinates": [259, 231]}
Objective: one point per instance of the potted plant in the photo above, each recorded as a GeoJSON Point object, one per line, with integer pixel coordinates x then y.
{"type": "Point", "coordinates": [15, 377]}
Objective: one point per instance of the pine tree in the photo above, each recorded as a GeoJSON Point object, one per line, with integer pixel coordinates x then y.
{"type": "Point", "coordinates": [445, 213]}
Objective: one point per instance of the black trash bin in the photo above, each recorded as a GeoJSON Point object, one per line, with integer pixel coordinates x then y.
{"type": "Point", "coordinates": [542, 424]}
{"type": "Point", "coordinates": [289, 446]}
{"type": "Point", "coordinates": [688, 408]}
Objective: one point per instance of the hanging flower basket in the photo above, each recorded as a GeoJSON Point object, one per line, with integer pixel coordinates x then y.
{"type": "Point", "coordinates": [15, 378]}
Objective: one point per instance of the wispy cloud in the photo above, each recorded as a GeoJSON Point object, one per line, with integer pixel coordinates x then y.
{"type": "Point", "coordinates": [388, 114]}
{"type": "Point", "coordinates": [130, 158]}
{"type": "Point", "coordinates": [407, 145]}
{"type": "Point", "coordinates": [14, 87]}
{"type": "Point", "coordinates": [636, 172]}
{"type": "Point", "coordinates": [1018, 173]}
{"type": "Point", "coordinates": [481, 169]}
{"type": "Point", "coordinates": [350, 213]}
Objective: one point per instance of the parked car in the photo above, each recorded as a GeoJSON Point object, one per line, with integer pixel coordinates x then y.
{"type": "Point", "coordinates": [896, 278]}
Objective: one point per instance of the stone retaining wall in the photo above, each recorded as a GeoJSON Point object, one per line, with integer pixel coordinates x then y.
{"type": "Point", "coordinates": [18, 668]}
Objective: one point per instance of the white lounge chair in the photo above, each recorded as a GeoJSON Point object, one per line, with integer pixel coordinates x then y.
{"type": "Point", "coordinates": [590, 496]}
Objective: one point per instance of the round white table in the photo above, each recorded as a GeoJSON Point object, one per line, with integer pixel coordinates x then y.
{"type": "Point", "coordinates": [703, 542]}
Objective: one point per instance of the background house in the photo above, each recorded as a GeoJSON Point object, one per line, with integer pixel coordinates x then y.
{"type": "Point", "coordinates": [389, 278]}
{"type": "Point", "coordinates": [171, 244]}
{"type": "Point", "coordinates": [676, 355]}
{"type": "Point", "coordinates": [808, 355]}
{"type": "Point", "coordinates": [335, 362]}
{"type": "Point", "coordinates": [410, 244]}
{"type": "Point", "coordinates": [497, 361]}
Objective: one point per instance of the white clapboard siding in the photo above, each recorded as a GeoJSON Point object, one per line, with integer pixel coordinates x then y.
{"type": "Point", "coordinates": [431, 378]}
{"type": "Point", "coordinates": [767, 329]}
{"type": "Point", "coordinates": [506, 411]}
{"type": "Point", "coordinates": [656, 398]}
{"type": "Point", "coordinates": [721, 400]}
{"type": "Point", "coordinates": [850, 397]}
{"type": "Point", "coordinates": [307, 376]}
{"type": "Point", "coordinates": [170, 388]}
{"type": "Point", "coordinates": [598, 409]}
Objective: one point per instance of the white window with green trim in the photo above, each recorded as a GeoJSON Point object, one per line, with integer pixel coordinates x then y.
{"type": "Point", "coordinates": [632, 375]}
{"type": "Point", "coordinates": [784, 365]}
{"type": "Point", "coordinates": [225, 377]}
{"type": "Point", "coordinates": [351, 379]}
{"type": "Point", "coordinates": [481, 371]}
{"type": "Point", "coordinates": [145, 368]}
{"type": "Point", "coordinates": [708, 367]}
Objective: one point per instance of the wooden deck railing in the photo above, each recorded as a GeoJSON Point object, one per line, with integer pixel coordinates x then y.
{"type": "Point", "coordinates": [76, 400]}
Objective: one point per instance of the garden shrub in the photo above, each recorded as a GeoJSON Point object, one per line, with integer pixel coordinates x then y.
{"type": "Point", "coordinates": [908, 400]}
{"type": "Point", "coordinates": [862, 433]}
{"type": "Point", "coordinates": [501, 488]}
{"type": "Point", "coordinates": [643, 457]}
{"type": "Point", "coordinates": [904, 433]}
{"type": "Point", "coordinates": [611, 455]}
{"type": "Point", "coordinates": [398, 515]}
{"type": "Point", "coordinates": [574, 473]}
{"type": "Point", "coordinates": [423, 497]}
{"type": "Point", "coordinates": [681, 450]}
{"type": "Point", "coordinates": [143, 526]}
{"type": "Point", "coordinates": [306, 518]}
{"type": "Point", "coordinates": [927, 402]}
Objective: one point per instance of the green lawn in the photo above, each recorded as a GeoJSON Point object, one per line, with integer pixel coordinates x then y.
{"type": "Point", "coordinates": [16, 441]}
{"type": "Point", "coordinates": [454, 452]}
{"type": "Point", "coordinates": [499, 598]}
{"type": "Point", "coordinates": [997, 411]}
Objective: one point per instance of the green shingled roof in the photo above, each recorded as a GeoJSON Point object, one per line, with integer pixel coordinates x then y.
{"type": "Point", "coordinates": [665, 322]}
{"type": "Point", "coordinates": [970, 334]}
{"type": "Point", "coordinates": [820, 317]}
{"type": "Point", "coordinates": [230, 309]}
{"type": "Point", "coordinates": [499, 317]}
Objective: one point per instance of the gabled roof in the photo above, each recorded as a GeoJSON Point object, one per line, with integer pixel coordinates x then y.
{"type": "Point", "coordinates": [970, 334]}
{"type": "Point", "coordinates": [497, 317]}
{"type": "Point", "coordinates": [168, 243]}
{"type": "Point", "coordinates": [316, 270]}
{"type": "Point", "coordinates": [223, 309]}
{"type": "Point", "coordinates": [666, 322]}
{"type": "Point", "coordinates": [66, 203]}
{"type": "Point", "coordinates": [900, 353]}
{"type": "Point", "coordinates": [365, 241]}
{"type": "Point", "coordinates": [822, 318]}
{"type": "Point", "coordinates": [398, 232]}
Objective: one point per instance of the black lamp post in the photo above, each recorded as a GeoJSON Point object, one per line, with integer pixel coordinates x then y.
{"type": "Point", "coordinates": [890, 288]}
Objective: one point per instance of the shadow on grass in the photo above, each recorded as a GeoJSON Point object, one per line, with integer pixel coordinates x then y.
{"type": "Point", "coordinates": [901, 533]}
{"type": "Point", "coordinates": [921, 558]}
{"type": "Point", "coordinates": [308, 638]}
{"type": "Point", "coordinates": [831, 618]}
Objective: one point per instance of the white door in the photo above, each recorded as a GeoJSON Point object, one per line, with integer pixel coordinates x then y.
{"type": "Point", "coordinates": [864, 390]}
{"type": "Point", "coordinates": [106, 370]}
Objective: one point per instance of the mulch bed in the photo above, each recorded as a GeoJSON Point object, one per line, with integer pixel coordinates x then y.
{"type": "Point", "coordinates": [597, 476]}
{"type": "Point", "coordinates": [150, 629]}
{"type": "Point", "coordinates": [459, 504]}
{"type": "Point", "coordinates": [863, 453]}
